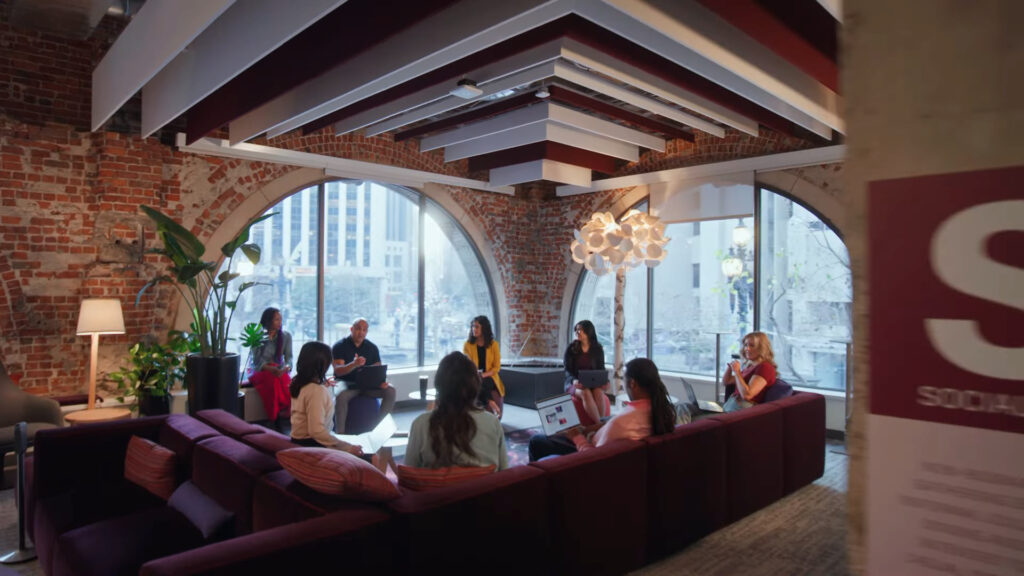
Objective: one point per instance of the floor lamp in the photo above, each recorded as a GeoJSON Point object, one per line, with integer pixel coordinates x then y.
{"type": "Point", "coordinates": [98, 316]}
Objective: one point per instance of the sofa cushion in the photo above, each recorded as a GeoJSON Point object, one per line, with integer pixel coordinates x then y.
{"type": "Point", "coordinates": [778, 390]}
{"type": "Point", "coordinates": [181, 433]}
{"type": "Point", "coordinates": [686, 486]}
{"type": "Point", "coordinates": [268, 442]}
{"type": "Point", "coordinates": [120, 546]}
{"type": "Point", "coordinates": [754, 461]}
{"type": "Point", "coordinates": [420, 479]}
{"type": "Point", "coordinates": [279, 499]}
{"type": "Point", "coordinates": [203, 512]}
{"type": "Point", "coordinates": [803, 425]}
{"type": "Point", "coordinates": [507, 506]}
{"type": "Point", "coordinates": [338, 473]}
{"type": "Point", "coordinates": [228, 423]}
{"type": "Point", "coordinates": [580, 507]}
{"type": "Point", "coordinates": [227, 471]}
{"type": "Point", "coordinates": [151, 466]}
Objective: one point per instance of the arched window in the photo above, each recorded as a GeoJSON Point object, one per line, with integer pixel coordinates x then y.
{"type": "Point", "coordinates": [374, 251]}
{"type": "Point", "coordinates": [791, 280]}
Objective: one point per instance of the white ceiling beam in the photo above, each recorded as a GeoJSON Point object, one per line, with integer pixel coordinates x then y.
{"type": "Point", "coordinates": [695, 38]}
{"type": "Point", "coordinates": [515, 68]}
{"type": "Point", "coordinates": [601, 63]}
{"type": "Point", "coordinates": [330, 164]}
{"type": "Point", "coordinates": [540, 170]}
{"type": "Point", "coordinates": [449, 35]}
{"type": "Point", "coordinates": [540, 132]}
{"type": "Point", "coordinates": [513, 119]}
{"type": "Point", "coordinates": [592, 82]}
{"type": "Point", "coordinates": [160, 30]}
{"type": "Point", "coordinates": [541, 112]}
{"type": "Point", "coordinates": [770, 162]}
{"type": "Point", "coordinates": [834, 7]}
{"type": "Point", "coordinates": [245, 33]}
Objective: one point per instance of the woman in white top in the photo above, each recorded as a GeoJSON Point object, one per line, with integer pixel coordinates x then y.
{"type": "Point", "coordinates": [457, 432]}
{"type": "Point", "coordinates": [313, 401]}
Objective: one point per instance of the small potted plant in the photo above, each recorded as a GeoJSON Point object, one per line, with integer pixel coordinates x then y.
{"type": "Point", "coordinates": [253, 335]}
{"type": "Point", "coordinates": [151, 372]}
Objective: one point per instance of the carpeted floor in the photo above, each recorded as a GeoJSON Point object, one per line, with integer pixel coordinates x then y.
{"type": "Point", "coordinates": [802, 534]}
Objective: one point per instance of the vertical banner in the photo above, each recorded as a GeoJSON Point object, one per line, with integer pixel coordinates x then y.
{"type": "Point", "coordinates": [945, 463]}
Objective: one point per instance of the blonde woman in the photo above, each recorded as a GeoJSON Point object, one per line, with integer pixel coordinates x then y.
{"type": "Point", "coordinates": [754, 376]}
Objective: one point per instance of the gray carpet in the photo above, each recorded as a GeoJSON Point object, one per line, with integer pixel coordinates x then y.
{"type": "Point", "coordinates": [802, 534]}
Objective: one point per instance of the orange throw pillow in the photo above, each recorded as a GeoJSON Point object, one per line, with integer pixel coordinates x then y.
{"type": "Point", "coordinates": [420, 479]}
{"type": "Point", "coordinates": [337, 473]}
{"type": "Point", "coordinates": [151, 466]}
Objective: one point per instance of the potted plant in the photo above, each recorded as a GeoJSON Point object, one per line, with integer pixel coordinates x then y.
{"type": "Point", "coordinates": [152, 371]}
{"type": "Point", "coordinates": [211, 374]}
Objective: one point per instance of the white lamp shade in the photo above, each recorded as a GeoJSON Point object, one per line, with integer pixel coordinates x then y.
{"type": "Point", "coordinates": [741, 235]}
{"type": "Point", "coordinates": [732, 267]}
{"type": "Point", "coordinates": [100, 316]}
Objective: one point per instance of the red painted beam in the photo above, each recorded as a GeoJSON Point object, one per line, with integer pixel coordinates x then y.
{"type": "Point", "coordinates": [339, 36]}
{"type": "Point", "coordinates": [777, 35]}
{"type": "Point", "coordinates": [545, 151]}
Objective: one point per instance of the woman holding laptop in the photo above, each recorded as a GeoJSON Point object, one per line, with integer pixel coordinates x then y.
{"type": "Point", "coordinates": [648, 413]}
{"type": "Point", "coordinates": [586, 353]}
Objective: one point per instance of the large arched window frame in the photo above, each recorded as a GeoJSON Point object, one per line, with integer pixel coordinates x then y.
{"type": "Point", "coordinates": [361, 248]}
{"type": "Point", "coordinates": [800, 294]}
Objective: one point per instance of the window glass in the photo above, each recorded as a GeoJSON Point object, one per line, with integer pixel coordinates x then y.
{"type": "Point", "coordinates": [377, 278]}
{"type": "Point", "coordinates": [806, 294]}
{"type": "Point", "coordinates": [694, 298]}
{"type": "Point", "coordinates": [286, 274]}
{"type": "Point", "coordinates": [456, 287]}
{"type": "Point", "coordinates": [372, 253]}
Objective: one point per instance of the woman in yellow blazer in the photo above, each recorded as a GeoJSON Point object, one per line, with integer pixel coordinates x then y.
{"type": "Point", "coordinates": [483, 350]}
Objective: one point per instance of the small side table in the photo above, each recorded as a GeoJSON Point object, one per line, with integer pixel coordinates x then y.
{"type": "Point", "coordinates": [97, 415]}
{"type": "Point", "coordinates": [431, 397]}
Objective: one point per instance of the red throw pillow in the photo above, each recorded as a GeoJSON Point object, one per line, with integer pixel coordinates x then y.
{"type": "Point", "coordinates": [151, 466]}
{"type": "Point", "coordinates": [337, 473]}
{"type": "Point", "coordinates": [420, 479]}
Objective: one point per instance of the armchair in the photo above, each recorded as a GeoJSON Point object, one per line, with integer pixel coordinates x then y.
{"type": "Point", "coordinates": [18, 406]}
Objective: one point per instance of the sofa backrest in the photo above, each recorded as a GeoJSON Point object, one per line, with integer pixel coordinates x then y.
{"type": "Point", "coordinates": [754, 452]}
{"type": "Point", "coordinates": [686, 486]}
{"type": "Point", "coordinates": [181, 433]}
{"type": "Point", "coordinates": [598, 508]}
{"type": "Point", "coordinates": [227, 423]}
{"type": "Point", "coordinates": [803, 423]}
{"type": "Point", "coordinates": [279, 499]}
{"type": "Point", "coordinates": [227, 471]}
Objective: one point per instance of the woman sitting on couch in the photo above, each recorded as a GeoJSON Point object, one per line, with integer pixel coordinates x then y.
{"type": "Point", "coordinates": [754, 377]}
{"type": "Point", "coordinates": [313, 400]}
{"type": "Point", "coordinates": [456, 432]}
{"type": "Point", "coordinates": [648, 413]}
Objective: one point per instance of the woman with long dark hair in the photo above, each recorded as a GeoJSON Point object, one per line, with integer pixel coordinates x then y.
{"type": "Point", "coordinates": [483, 349]}
{"type": "Point", "coordinates": [313, 400]}
{"type": "Point", "coordinates": [586, 353]}
{"type": "Point", "coordinates": [457, 432]}
{"type": "Point", "coordinates": [649, 412]}
{"type": "Point", "coordinates": [271, 366]}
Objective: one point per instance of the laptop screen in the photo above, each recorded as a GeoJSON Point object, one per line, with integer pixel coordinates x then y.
{"type": "Point", "coordinates": [557, 413]}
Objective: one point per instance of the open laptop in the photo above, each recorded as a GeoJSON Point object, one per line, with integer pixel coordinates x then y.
{"type": "Point", "coordinates": [368, 377]}
{"type": "Point", "coordinates": [703, 405]}
{"type": "Point", "coordinates": [373, 440]}
{"type": "Point", "coordinates": [557, 413]}
{"type": "Point", "coordinates": [593, 378]}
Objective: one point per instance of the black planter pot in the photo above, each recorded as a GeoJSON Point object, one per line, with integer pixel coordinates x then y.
{"type": "Point", "coordinates": [154, 405]}
{"type": "Point", "coordinates": [212, 383]}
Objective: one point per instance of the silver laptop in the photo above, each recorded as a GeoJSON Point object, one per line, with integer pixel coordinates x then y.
{"type": "Point", "coordinates": [557, 413]}
{"type": "Point", "coordinates": [703, 405]}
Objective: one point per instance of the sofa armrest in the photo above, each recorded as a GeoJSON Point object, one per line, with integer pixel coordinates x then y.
{"type": "Point", "coordinates": [67, 459]}
{"type": "Point", "coordinates": [360, 539]}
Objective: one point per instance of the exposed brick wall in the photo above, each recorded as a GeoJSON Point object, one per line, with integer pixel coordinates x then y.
{"type": "Point", "coordinates": [70, 226]}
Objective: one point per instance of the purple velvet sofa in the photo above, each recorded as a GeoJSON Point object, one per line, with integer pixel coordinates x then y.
{"type": "Point", "coordinates": [604, 511]}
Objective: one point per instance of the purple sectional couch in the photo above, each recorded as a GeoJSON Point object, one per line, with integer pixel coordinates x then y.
{"type": "Point", "coordinates": [604, 511]}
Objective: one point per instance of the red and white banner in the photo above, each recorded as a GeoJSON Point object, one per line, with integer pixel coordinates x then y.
{"type": "Point", "coordinates": [945, 450]}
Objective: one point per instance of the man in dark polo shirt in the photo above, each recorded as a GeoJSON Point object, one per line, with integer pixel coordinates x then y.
{"type": "Point", "coordinates": [350, 353]}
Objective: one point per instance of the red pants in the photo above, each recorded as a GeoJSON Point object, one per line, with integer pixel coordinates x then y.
{"type": "Point", "coordinates": [273, 391]}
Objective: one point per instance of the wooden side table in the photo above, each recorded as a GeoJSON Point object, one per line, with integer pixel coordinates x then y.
{"type": "Point", "coordinates": [97, 415]}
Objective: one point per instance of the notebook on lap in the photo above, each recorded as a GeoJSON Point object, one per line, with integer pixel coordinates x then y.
{"type": "Point", "coordinates": [373, 440]}
{"type": "Point", "coordinates": [557, 413]}
{"type": "Point", "coordinates": [368, 377]}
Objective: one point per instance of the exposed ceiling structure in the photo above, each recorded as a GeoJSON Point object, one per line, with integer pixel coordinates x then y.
{"type": "Point", "coordinates": [559, 90]}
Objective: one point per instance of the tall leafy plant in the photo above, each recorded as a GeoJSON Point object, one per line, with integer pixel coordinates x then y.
{"type": "Point", "coordinates": [205, 291]}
